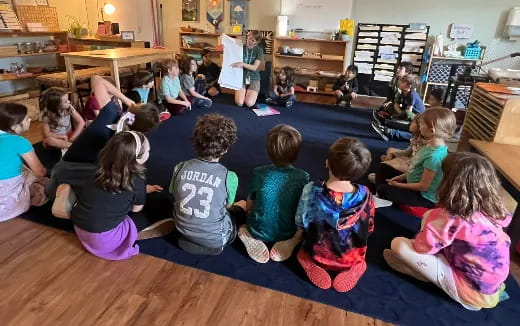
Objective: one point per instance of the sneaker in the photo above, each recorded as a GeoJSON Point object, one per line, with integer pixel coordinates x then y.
{"type": "Point", "coordinates": [163, 116]}
{"type": "Point", "coordinates": [269, 100]}
{"type": "Point", "coordinates": [64, 151]}
{"type": "Point", "coordinates": [380, 131]}
{"type": "Point", "coordinates": [157, 230]}
{"type": "Point", "coordinates": [372, 178]}
{"type": "Point", "coordinates": [380, 202]}
{"type": "Point", "coordinates": [343, 104]}
{"type": "Point", "coordinates": [288, 104]}
{"type": "Point", "coordinates": [374, 115]}
{"type": "Point", "coordinates": [64, 201]}
{"type": "Point", "coordinates": [255, 248]}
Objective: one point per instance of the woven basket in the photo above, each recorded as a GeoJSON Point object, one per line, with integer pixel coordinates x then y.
{"type": "Point", "coordinates": [48, 16]}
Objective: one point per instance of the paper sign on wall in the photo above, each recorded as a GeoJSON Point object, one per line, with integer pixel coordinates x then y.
{"type": "Point", "coordinates": [461, 31]}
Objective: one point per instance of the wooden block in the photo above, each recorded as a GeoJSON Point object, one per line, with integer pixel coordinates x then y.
{"type": "Point", "coordinates": [312, 89]}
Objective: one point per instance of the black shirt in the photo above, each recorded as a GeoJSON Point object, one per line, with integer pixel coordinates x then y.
{"type": "Point", "coordinates": [212, 72]}
{"type": "Point", "coordinates": [99, 210]}
{"type": "Point", "coordinates": [90, 142]}
{"type": "Point", "coordinates": [340, 84]}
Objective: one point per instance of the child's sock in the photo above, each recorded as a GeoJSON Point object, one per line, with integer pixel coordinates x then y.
{"type": "Point", "coordinates": [65, 199]}
{"type": "Point", "coordinates": [316, 274]}
{"type": "Point", "coordinates": [157, 230]}
{"type": "Point", "coordinates": [256, 249]}
{"type": "Point", "coordinates": [282, 250]}
{"type": "Point", "coordinates": [345, 281]}
{"type": "Point", "coordinates": [396, 263]}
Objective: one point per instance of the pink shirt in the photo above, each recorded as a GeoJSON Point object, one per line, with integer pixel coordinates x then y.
{"type": "Point", "coordinates": [477, 251]}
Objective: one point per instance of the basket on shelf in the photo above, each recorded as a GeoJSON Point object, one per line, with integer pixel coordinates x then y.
{"type": "Point", "coordinates": [472, 53]}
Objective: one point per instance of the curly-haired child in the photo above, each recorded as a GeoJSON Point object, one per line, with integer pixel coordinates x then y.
{"type": "Point", "coordinates": [204, 190]}
{"type": "Point", "coordinates": [462, 247]}
{"type": "Point", "coordinates": [337, 217]}
{"type": "Point", "coordinates": [62, 124]}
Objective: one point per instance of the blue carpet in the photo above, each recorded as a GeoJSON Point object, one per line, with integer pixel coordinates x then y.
{"type": "Point", "coordinates": [381, 293]}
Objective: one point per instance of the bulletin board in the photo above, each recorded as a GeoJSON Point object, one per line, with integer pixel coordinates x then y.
{"type": "Point", "coordinates": [316, 15]}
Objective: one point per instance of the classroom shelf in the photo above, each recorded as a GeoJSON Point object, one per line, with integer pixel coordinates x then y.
{"type": "Point", "coordinates": [454, 59]}
{"type": "Point", "coordinates": [11, 78]}
{"type": "Point", "coordinates": [307, 58]}
{"type": "Point", "coordinates": [29, 34]}
{"type": "Point", "coordinates": [316, 93]}
{"type": "Point", "coordinates": [200, 34]}
{"type": "Point", "coordinates": [310, 40]}
{"type": "Point", "coordinates": [29, 55]}
{"type": "Point", "coordinates": [199, 49]}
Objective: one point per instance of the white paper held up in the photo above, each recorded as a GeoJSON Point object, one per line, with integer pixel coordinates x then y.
{"type": "Point", "coordinates": [230, 77]}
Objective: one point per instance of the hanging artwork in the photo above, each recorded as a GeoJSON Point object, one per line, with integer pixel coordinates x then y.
{"type": "Point", "coordinates": [215, 12]}
{"type": "Point", "coordinates": [190, 10]}
{"type": "Point", "coordinates": [238, 12]}
{"type": "Point", "coordinates": [266, 40]}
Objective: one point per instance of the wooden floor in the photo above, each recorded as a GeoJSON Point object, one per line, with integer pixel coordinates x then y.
{"type": "Point", "coordinates": [46, 278]}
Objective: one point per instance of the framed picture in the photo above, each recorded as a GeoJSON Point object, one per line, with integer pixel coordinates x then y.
{"type": "Point", "coordinates": [128, 35]}
{"type": "Point", "coordinates": [42, 2]}
{"type": "Point", "coordinates": [190, 10]}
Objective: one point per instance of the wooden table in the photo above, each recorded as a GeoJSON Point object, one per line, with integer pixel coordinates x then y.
{"type": "Point", "coordinates": [114, 59]}
{"type": "Point", "coordinates": [506, 159]}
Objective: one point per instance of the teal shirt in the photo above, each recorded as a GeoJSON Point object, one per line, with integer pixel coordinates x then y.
{"type": "Point", "coordinates": [275, 192]}
{"type": "Point", "coordinates": [430, 158]}
{"type": "Point", "coordinates": [250, 56]}
{"type": "Point", "coordinates": [12, 148]}
{"type": "Point", "coordinates": [170, 87]}
{"type": "Point", "coordinates": [143, 93]}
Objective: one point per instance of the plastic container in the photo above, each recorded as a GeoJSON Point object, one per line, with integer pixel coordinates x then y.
{"type": "Point", "coordinates": [472, 53]}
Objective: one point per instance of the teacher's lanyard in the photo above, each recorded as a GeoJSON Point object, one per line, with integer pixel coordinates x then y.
{"type": "Point", "coordinates": [249, 57]}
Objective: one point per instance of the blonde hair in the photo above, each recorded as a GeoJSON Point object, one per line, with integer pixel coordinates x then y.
{"type": "Point", "coordinates": [441, 121]}
{"type": "Point", "coordinates": [168, 64]}
{"type": "Point", "coordinates": [410, 80]}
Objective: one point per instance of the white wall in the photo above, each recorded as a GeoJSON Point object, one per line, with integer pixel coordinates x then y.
{"type": "Point", "coordinates": [487, 16]}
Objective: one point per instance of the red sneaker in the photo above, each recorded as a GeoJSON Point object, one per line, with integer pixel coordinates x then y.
{"type": "Point", "coordinates": [345, 281]}
{"type": "Point", "coordinates": [316, 274]}
{"type": "Point", "coordinates": [163, 116]}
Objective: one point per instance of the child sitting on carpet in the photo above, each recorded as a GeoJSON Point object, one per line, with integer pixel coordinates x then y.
{"type": "Point", "coordinates": [20, 186]}
{"type": "Point", "coordinates": [396, 160]}
{"type": "Point", "coordinates": [403, 68]}
{"type": "Point", "coordinates": [337, 217]}
{"type": "Point", "coordinates": [107, 216]}
{"type": "Point", "coordinates": [211, 73]}
{"type": "Point", "coordinates": [194, 90]}
{"type": "Point", "coordinates": [59, 117]}
{"type": "Point", "coordinates": [273, 198]}
{"type": "Point", "coordinates": [461, 247]}
{"type": "Point", "coordinates": [435, 98]}
{"type": "Point", "coordinates": [143, 83]}
{"type": "Point", "coordinates": [283, 90]}
{"type": "Point", "coordinates": [204, 190]}
{"type": "Point", "coordinates": [346, 87]}
{"type": "Point", "coordinates": [395, 122]}
{"type": "Point", "coordinates": [418, 186]}
{"type": "Point", "coordinates": [173, 97]}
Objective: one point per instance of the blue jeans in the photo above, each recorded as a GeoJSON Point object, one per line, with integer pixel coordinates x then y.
{"type": "Point", "coordinates": [281, 100]}
{"type": "Point", "coordinates": [397, 130]}
{"type": "Point", "coordinates": [201, 103]}
{"type": "Point", "coordinates": [200, 86]}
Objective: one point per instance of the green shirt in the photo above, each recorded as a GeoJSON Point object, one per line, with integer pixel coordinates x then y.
{"type": "Point", "coordinates": [275, 192]}
{"type": "Point", "coordinates": [170, 87]}
{"type": "Point", "coordinates": [250, 56]}
{"type": "Point", "coordinates": [430, 158]}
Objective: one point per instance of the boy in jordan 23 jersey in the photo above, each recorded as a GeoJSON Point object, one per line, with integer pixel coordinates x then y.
{"type": "Point", "coordinates": [204, 190]}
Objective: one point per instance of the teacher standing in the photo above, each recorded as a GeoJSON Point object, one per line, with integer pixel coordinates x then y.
{"type": "Point", "coordinates": [253, 57]}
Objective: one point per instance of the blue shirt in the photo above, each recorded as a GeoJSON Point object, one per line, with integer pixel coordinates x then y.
{"type": "Point", "coordinates": [171, 87]}
{"type": "Point", "coordinates": [275, 192]}
{"type": "Point", "coordinates": [143, 93]}
{"type": "Point", "coordinates": [414, 100]}
{"type": "Point", "coordinates": [12, 148]}
{"type": "Point", "coordinates": [430, 158]}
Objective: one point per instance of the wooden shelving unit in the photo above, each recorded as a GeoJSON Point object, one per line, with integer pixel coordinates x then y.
{"type": "Point", "coordinates": [326, 48]}
{"type": "Point", "coordinates": [212, 39]}
{"type": "Point", "coordinates": [87, 44]}
{"type": "Point", "coordinates": [491, 116]}
{"type": "Point", "coordinates": [23, 88]}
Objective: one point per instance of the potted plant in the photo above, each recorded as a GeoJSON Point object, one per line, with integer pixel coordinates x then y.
{"type": "Point", "coordinates": [76, 26]}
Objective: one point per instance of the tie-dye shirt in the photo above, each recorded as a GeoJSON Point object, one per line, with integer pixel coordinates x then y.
{"type": "Point", "coordinates": [337, 225]}
{"type": "Point", "coordinates": [477, 251]}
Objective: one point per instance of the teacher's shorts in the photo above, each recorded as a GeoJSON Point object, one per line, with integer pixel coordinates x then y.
{"type": "Point", "coordinates": [253, 86]}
